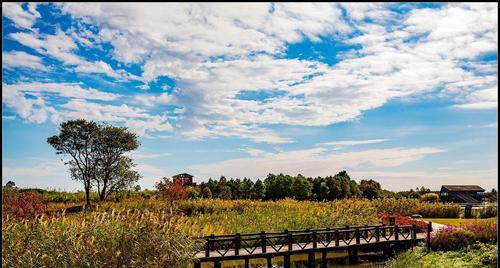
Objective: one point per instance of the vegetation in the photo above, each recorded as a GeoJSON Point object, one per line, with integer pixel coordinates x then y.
{"type": "Point", "coordinates": [407, 207]}
{"type": "Point", "coordinates": [475, 256]}
{"type": "Point", "coordinates": [458, 222]}
{"type": "Point", "coordinates": [97, 155]}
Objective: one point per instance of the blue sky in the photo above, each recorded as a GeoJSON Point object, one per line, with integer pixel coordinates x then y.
{"type": "Point", "coordinates": [402, 93]}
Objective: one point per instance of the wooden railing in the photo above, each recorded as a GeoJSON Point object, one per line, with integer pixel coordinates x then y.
{"type": "Point", "coordinates": [293, 240]}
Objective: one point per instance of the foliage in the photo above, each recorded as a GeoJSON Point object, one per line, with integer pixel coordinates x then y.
{"type": "Point", "coordinates": [476, 256]}
{"type": "Point", "coordinates": [429, 197]}
{"type": "Point", "coordinates": [488, 211]}
{"type": "Point", "coordinates": [97, 155]}
{"type": "Point", "coordinates": [402, 220]}
{"type": "Point", "coordinates": [275, 187]}
{"type": "Point", "coordinates": [408, 206]}
{"type": "Point", "coordinates": [22, 205]}
{"type": "Point", "coordinates": [171, 190]}
{"type": "Point", "coordinates": [370, 189]}
{"type": "Point", "coordinates": [451, 238]}
{"type": "Point", "coordinates": [96, 239]}
{"type": "Point", "coordinates": [484, 231]}
{"type": "Point", "coordinates": [77, 139]}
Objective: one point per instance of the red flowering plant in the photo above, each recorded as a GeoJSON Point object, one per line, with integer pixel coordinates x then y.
{"type": "Point", "coordinates": [22, 205]}
{"type": "Point", "coordinates": [402, 220]}
{"type": "Point", "coordinates": [484, 231]}
{"type": "Point", "coordinates": [451, 238]}
{"type": "Point", "coordinates": [171, 191]}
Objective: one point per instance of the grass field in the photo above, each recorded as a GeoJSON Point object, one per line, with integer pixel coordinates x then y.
{"type": "Point", "coordinates": [455, 222]}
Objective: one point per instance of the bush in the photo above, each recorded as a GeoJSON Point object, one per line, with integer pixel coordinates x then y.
{"type": "Point", "coordinates": [22, 205]}
{"type": "Point", "coordinates": [402, 220]}
{"type": "Point", "coordinates": [489, 211]}
{"type": "Point", "coordinates": [451, 238]}
{"type": "Point", "coordinates": [484, 231]}
{"type": "Point", "coordinates": [430, 197]}
{"type": "Point", "coordinates": [476, 256]}
{"type": "Point", "coordinates": [409, 206]}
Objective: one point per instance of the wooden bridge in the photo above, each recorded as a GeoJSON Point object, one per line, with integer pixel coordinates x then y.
{"type": "Point", "coordinates": [218, 248]}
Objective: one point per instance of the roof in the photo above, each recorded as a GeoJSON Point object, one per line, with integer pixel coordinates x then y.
{"type": "Point", "coordinates": [183, 175]}
{"type": "Point", "coordinates": [462, 188]}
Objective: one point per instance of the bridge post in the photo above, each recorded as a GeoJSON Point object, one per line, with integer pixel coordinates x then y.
{"type": "Point", "coordinates": [263, 241]}
{"type": "Point", "coordinates": [324, 253]}
{"type": "Point", "coordinates": [383, 230]}
{"type": "Point", "coordinates": [247, 263]}
{"type": "Point", "coordinates": [237, 244]}
{"type": "Point", "coordinates": [328, 234]}
{"type": "Point", "coordinates": [269, 262]}
{"type": "Point", "coordinates": [413, 234]}
{"type": "Point", "coordinates": [315, 239]}
{"type": "Point", "coordinates": [289, 239]}
{"type": "Point", "coordinates": [377, 234]}
{"type": "Point", "coordinates": [366, 231]}
{"type": "Point", "coordinates": [217, 264]}
{"type": "Point", "coordinates": [429, 230]}
{"type": "Point", "coordinates": [396, 232]}
{"type": "Point", "coordinates": [197, 264]}
{"type": "Point", "coordinates": [311, 260]}
{"type": "Point", "coordinates": [337, 237]}
{"type": "Point", "coordinates": [208, 245]}
{"type": "Point", "coordinates": [356, 233]}
{"type": "Point", "coordinates": [286, 261]}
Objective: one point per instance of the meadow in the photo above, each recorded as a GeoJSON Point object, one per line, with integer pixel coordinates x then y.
{"type": "Point", "coordinates": [144, 230]}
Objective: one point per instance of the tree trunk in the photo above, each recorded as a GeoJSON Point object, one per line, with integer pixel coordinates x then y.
{"type": "Point", "coordinates": [87, 196]}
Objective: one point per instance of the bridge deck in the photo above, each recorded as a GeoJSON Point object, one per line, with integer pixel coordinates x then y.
{"type": "Point", "coordinates": [283, 248]}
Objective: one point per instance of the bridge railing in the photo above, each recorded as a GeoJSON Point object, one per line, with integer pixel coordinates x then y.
{"type": "Point", "coordinates": [257, 243]}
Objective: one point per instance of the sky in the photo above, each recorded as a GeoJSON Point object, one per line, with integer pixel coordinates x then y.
{"type": "Point", "coordinates": [402, 93]}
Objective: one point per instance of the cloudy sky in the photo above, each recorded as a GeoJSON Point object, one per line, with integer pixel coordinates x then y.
{"type": "Point", "coordinates": [402, 93]}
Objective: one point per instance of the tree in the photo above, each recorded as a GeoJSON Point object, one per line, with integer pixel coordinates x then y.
{"type": "Point", "coordinates": [137, 188]}
{"type": "Point", "coordinates": [225, 192]}
{"type": "Point", "coordinates": [206, 193]}
{"type": "Point", "coordinates": [323, 192]}
{"type": "Point", "coordinates": [301, 188]}
{"type": "Point", "coordinates": [369, 189]}
{"type": "Point", "coordinates": [429, 197]}
{"type": "Point", "coordinates": [114, 169]}
{"type": "Point", "coordinates": [258, 191]}
{"type": "Point", "coordinates": [10, 184]}
{"type": "Point", "coordinates": [77, 139]}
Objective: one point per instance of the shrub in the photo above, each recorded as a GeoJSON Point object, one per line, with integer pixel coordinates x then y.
{"type": "Point", "coordinates": [451, 238]}
{"type": "Point", "coordinates": [489, 211]}
{"type": "Point", "coordinates": [408, 206]}
{"type": "Point", "coordinates": [429, 197]}
{"type": "Point", "coordinates": [23, 205]}
{"type": "Point", "coordinates": [484, 231]}
{"type": "Point", "coordinates": [402, 220]}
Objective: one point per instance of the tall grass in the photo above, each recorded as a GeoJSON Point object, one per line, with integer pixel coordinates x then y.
{"type": "Point", "coordinates": [407, 207]}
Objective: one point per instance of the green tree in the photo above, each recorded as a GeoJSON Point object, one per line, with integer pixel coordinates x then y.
{"type": "Point", "coordinates": [323, 192]}
{"type": "Point", "coordinates": [369, 189]}
{"type": "Point", "coordinates": [206, 193]}
{"type": "Point", "coordinates": [258, 190]}
{"type": "Point", "coordinates": [114, 170]}
{"type": "Point", "coordinates": [301, 188]}
{"type": "Point", "coordinates": [225, 192]}
{"type": "Point", "coordinates": [10, 184]}
{"type": "Point", "coordinates": [77, 138]}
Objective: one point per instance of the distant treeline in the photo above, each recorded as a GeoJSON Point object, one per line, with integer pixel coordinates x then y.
{"type": "Point", "coordinates": [281, 186]}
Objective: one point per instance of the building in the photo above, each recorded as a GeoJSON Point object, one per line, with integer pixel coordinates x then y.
{"type": "Point", "coordinates": [183, 178]}
{"type": "Point", "coordinates": [465, 194]}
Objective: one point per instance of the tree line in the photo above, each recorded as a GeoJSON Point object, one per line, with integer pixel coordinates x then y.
{"type": "Point", "coordinates": [281, 186]}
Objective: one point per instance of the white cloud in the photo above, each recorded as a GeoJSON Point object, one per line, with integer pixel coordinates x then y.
{"type": "Point", "coordinates": [311, 162]}
{"type": "Point", "coordinates": [217, 52]}
{"type": "Point", "coordinates": [62, 47]}
{"type": "Point", "coordinates": [352, 142]}
{"type": "Point", "coordinates": [13, 59]}
{"type": "Point", "coordinates": [21, 18]}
